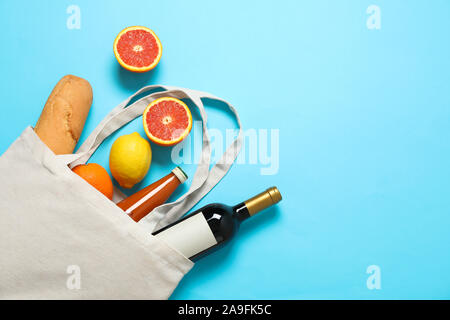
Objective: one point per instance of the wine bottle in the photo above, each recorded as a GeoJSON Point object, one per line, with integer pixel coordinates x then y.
{"type": "Point", "coordinates": [141, 203]}
{"type": "Point", "coordinates": [208, 228]}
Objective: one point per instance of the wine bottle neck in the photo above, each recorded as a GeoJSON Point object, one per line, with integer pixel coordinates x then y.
{"type": "Point", "coordinates": [240, 211]}
{"type": "Point", "coordinates": [257, 203]}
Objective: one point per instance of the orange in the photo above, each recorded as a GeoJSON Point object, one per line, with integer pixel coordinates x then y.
{"type": "Point", "coordinates": [137, 49]}
{"type": "Point", "coordinates": [167, 121]}
{"type": "Point", "coordinates": [97, 177]}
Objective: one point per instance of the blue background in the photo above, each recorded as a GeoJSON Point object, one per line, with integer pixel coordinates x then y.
{"type": "Point", "coordinates": [364, 120]}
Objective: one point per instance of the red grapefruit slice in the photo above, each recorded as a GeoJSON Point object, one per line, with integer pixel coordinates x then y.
{"type": "Point", "coordinates": [137, 49]}
{"type": "Point", "coordinates": [167, 121]}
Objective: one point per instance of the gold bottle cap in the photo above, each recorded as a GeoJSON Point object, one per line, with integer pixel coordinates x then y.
{"type": "Point", "coordinates": [275, 194]}
{"type": "Point", "coordinates": [263, 200]}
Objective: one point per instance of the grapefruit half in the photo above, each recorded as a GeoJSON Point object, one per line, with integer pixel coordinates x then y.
{"type": "Point", "coordinates": [167, 121]}
{"type": "Point", "coordinates": [137, 49]}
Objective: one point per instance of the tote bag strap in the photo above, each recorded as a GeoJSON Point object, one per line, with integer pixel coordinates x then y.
{"type": "Point", "coordinates": [204, 179]}
{"type": "Point", "coordinates": [106, 127]}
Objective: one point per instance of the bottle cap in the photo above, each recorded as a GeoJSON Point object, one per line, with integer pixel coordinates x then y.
{"type": "Point", "coordinates": [274, 194]}
{"type": "Point", "coordinates": [263, 200]}
{"type": "Point", "coordinates": [180, 174]}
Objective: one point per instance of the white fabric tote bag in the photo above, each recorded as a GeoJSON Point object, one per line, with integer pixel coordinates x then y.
{"type": "Point", "coordinates": [62, 239]}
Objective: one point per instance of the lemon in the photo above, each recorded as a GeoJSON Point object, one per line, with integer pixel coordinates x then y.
{"type": "Point", "coordinates": [129, 159]}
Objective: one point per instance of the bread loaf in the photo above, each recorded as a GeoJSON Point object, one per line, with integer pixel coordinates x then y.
{"type": "Point", "coordinates": [64, 114]}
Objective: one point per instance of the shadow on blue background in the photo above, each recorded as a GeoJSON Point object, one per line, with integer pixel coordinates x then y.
{"type": "Point", "coordinates": [134, 81]}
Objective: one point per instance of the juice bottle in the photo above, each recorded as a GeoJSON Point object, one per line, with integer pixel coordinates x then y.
{"type": "Point", "coordinates": [141, 203]}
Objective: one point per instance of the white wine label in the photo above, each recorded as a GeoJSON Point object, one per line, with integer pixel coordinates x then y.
{"type": "Point", "coordinates": [189, 236]}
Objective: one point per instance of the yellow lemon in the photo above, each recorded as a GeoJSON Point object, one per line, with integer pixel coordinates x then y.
{"type": "Point", "coordinates": [130, 159]}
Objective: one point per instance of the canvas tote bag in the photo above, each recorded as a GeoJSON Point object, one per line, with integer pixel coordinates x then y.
{"type": "Point", "coordinates": [60, 238]}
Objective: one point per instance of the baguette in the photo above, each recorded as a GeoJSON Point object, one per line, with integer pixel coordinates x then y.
{"type": "Point", "coordinates": [64, 114]}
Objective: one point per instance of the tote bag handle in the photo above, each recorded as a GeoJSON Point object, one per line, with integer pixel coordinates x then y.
{"type": "Point", "coordinates": [204, 179]}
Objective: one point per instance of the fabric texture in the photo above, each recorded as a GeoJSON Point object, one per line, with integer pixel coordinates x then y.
{"type": "Point", "coordinates": [62, 239]}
